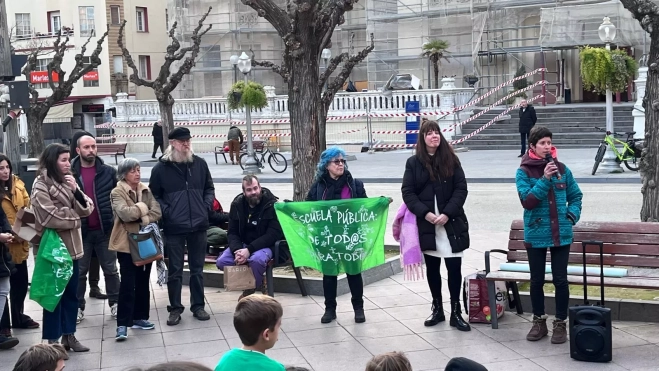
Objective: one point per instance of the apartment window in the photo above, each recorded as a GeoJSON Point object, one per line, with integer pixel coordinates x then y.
{"type": "Point", "coordinates": [142, 20]}
{"type": "Point", "coordinates": [212, 56]}
{"type": "Point", "coordinates": [23, 28]}
{"type": "Point", "coordinates": [54, 22]}
{"type": "Point", "coordinates": [115, 18]}
{"type": "Point", "coordinates": [86, 14]}
{"type": "Point", "coordinates": [145, 67]}
{"type": "Point", "coordinates": [42, 65]}
{"type": "Point", "coordinates": [118, 63]}
{"type": "Point", "coordinates": [88, 83]}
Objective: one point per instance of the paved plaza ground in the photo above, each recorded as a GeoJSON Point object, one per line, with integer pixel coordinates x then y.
{"type": "Point", "coordinates": [395, 309]}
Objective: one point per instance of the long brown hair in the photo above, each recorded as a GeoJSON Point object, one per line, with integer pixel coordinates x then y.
{"type": "Point", "coordinates": [444, 160]}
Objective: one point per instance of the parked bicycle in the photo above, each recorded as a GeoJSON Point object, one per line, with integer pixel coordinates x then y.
{"type": "Point", "coordinates": [276, 160]}
{"type": "Point", "coordinates": [629, 154]}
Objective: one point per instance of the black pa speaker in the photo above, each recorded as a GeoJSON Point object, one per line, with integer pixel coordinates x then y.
{"type": "Point", "coordinates": [591, 335]}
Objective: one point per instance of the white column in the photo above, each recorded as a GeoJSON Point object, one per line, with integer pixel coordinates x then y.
{"type": "Point", "coordinates": [446, 103]}
{"type": "Point", "coordinates": [639, 112]}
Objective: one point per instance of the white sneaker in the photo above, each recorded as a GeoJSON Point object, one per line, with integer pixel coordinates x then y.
{"type": "Point", "coordinates": [113, 310]}
{"type": "Point", "coordinates": [81, 316]}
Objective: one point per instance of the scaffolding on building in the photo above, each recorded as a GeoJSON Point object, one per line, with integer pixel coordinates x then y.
{"type": "Point", "coordinates": [491, 39]}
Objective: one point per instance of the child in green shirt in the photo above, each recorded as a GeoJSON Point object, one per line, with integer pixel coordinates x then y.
{"type": "Point", "coordinates": [257, 320]}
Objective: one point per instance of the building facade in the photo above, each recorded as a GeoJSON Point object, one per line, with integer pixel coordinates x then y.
{"type": "Point", "coordinates": [36, 24]}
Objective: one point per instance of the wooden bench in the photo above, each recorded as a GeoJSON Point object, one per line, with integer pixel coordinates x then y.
{"type": "Point", "coordinates": [631, 245]}
{"type": "Point", "coordinates": [259, 146]}
{"type": "Point", "coordinates": [111, 149]}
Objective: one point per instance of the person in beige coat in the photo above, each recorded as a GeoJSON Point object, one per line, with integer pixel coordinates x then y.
{"type": "Point", "coordinates": [134, 206]}
{"type": "Point", "coordinates": [59, 204]}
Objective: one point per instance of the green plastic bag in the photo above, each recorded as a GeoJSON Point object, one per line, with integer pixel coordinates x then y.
{"type": "Point", "coordinates": [53, 269]}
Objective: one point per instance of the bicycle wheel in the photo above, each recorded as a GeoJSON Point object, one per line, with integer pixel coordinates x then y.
{"type": "Point", "coordinates": [242, 160]}
{"type": "Point", "coordinates": [599, 157]}
{"type": "Point", "coordinates": [631, 164]}
{"type": "Point", "coordinates": [277, 162]}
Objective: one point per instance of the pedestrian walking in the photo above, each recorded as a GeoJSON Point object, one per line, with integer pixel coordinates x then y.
{"type": "Point", "coordinates": [527, 120]}
{"type": "Point", "coordinates": [235, 138]}
{"type": "Point", "coordinates": [435, 190]}
{"type": "Point", "coordinates": [158, 141]}
{"type": "Point", "coordinates": [58, 204]}
{"type": "Point", "coordinates": [551, 199]}
{"type": "Point", "coordinates": [135, 207]}
{"type": "Point", "coordinates": [334, 182]}
{"type": "Point", "coordinates": [182, 184]}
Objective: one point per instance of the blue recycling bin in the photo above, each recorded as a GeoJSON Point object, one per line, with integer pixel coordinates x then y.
{"type": "Point", "coordinates": [412, 122]}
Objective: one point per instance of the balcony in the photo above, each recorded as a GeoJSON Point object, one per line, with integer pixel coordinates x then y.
{"type": "Point", "coordinates": [66, 31]}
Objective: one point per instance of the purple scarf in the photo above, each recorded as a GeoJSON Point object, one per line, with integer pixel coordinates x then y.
{"type": "Point", "coordinates": [407, 233]}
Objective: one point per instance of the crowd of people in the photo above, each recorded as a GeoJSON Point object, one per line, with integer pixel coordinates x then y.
{"type": "Point", "coordinates": [95, 208]}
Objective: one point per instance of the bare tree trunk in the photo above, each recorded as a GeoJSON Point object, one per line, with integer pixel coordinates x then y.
{"type": "Point", "coordinates": [322, 127]}
{"type": "Point", "coordinates": [13, 146]}
{"type": "Point", "coordinates": [167, 116]}
{"type": "Point", "coordinates": [34, 122]}
{"type": "Point", "coordinates": [649, 164]}
{"type": "Point", "coordinates": [304, 105]}
{"type": "Point", "coordinates": [435, 67]}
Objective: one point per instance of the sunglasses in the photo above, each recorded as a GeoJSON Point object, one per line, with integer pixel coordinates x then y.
{"type": "Point", "coordinates": [339, 162]}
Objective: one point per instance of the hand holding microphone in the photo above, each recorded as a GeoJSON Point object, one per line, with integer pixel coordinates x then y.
{"type": "Point", "coordinates": [551, 168]}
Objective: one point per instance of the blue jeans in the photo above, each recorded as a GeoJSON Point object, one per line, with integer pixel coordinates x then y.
{"type": "Point", "coordinates": [258, 261]}
{"type": "Point", "coordinates": [62, 320]}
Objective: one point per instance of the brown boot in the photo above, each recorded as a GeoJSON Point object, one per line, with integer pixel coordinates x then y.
{"type": "Point", "coordinates": [71, 343]}
{"type": "Point", "coordinates": [539, 329]}
{"type": "Point", "coordinates": [559, 335]}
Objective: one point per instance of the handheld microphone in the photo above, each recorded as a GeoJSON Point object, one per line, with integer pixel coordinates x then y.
{"type": "Point", "coordinates": [549, 159]}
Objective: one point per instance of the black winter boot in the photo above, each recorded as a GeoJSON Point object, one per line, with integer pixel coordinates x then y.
{"type": "Point", "coordinates": [456, 318]}
{"type": "Point", "coordinates": [328, 316]}
{"type": "Point", "coordinates": [437, 314]}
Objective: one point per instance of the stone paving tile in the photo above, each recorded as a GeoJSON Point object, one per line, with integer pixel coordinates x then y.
{"type": "Point", "coordinates": [185, 352]}
{"type": "Point", "coordinates": [649, 332]}
{"type": "Point", "coordinates": [401, 343]}
{"type": "Point", "coordinates": [492, 352]}
{"type": "Point", "coordinates": [513, 365]}
{"type": "Point", "coordinates": [287, 356]}
{"type": "Point", "coordinates": [390, 290]}
{"type": "Point", "coordinates": [372, 316]}
{"type": "Point", "coordinates": [84, 361]}
{"type": "Point", "coordinates": [564, 362]}
{"type": "Point", "coordinates": [417, 326]}
{"type": "Point", "coordinates": [410, 311]}
{"type": "Point", "coordinates": [312, 322]}
{"type": "Point", "coordinates": [128, 358]}
{"type": "Point", "coordinates": [327, 335]}
{"type": "Point", "coordinates": [431, 359]}
{"type": "Point", "coordinates": [344, 356]}
{"type": "Point", "coordinates": [140, 341]}
{"type": "Point", "coordinates": [364, 331]}
{"type": "Point", "coordinates": [455, 338]}
{"type": "Point", "coordinates": [192, 336]}
{"type": "Point", "coordinates": [637, 357]}
{"type": "Point", "coordinates": [543, 347]}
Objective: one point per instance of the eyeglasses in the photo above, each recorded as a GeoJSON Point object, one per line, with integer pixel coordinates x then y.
{"type": "Point", "coordinates": [339, 162]}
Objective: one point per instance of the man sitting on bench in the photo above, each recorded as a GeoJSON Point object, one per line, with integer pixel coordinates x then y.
{"type": "Point", "coordinates": [253, 231]}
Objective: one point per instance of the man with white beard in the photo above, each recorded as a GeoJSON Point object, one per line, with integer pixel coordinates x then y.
{"type": "Point", "coordinates": [182, 184]}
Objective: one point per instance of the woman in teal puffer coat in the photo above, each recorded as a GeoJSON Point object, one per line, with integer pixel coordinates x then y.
{"type": "Point", "coordinates": [552, 205]}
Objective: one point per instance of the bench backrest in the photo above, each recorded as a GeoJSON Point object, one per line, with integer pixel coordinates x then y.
{"type": "Point", "coordinates": [627, 244]}
{"type": "Point", "coordinates": [112, 147]}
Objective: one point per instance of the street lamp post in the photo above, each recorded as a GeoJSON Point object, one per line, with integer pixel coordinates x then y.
{"type": "Point", "coordinates": [607, 33]}
{"type": "Point", "coordinates": [234, 61]}
{"type": "Point", "coordinates": [251, 166]}
{"type": "Point", "coordinates": [326, 55]}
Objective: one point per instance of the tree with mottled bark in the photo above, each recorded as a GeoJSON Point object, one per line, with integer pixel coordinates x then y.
{"type": "Point", "coordinates": [61, 89]}
{"type": "Point", "coordinates": [306, 28]}
{"type": "Point", "coordinates": [435, 51]}
{"type": "Point", "coordinates": [166, 81]}
{"type": "Point", "coordinates": [646, 12]}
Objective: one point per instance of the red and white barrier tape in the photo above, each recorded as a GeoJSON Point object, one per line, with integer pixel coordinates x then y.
{"type": "Point", "coordinates": [470, 135]}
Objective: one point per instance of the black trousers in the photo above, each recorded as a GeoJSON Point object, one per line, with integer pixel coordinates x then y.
{"type": "Point", "coordinates": [454, 269]}
{"type": "Point", "coordinates": [560, 255]}
{"type": "Point", "coordinates": [356, 285]}
{"type": "Point", "coordinates": [524, 137]}
{"type": "Point", "coordinates": [17, 294]}
{"type": "Point", "coordinates": [134, 296]}
{"type": "Point", "coordinates": [155, 149]}
{"type": "Point", "coordinates": [175, 249]}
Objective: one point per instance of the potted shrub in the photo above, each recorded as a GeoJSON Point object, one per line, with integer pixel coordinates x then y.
{"type": "Point", "coordinates": [470, 80]}
{"type": "Point", "coordinates": [251, 95]}
{"type": "Point", "coordinates": [602, 69]}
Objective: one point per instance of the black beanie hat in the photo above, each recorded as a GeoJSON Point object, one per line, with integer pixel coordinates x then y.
{"type": "Point", "coordinates": [463, 364]}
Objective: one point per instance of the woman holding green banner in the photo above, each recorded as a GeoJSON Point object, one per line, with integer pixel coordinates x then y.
{"type": "Point", "coordinates": [334, 182]}
{"type": "Point", "coordinates": [435, 190]}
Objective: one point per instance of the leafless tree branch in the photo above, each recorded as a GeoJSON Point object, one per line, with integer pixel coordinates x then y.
{"type": "Point", "coordinates": [135, 76]}
{"type": "Point", "coordinates": [272, 13]}
{"type": "Point", "coordinates": [646, 12]}
{"type": "Point", "coordinates": [340, 79]}
{"type": "Point", "coordinates": [280, 70]}
{"type": "Point", "coordinates": [334, 63]}
{"type": "Point", "coordinates": [189, 62]}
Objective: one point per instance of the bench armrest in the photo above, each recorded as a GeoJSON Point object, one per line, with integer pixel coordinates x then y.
{"type": "Point", "coordinates": [487, 258]}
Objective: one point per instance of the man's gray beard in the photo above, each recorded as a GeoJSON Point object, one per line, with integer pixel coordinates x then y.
{"type": "Point", "coordinates": [178, 157]}
{"type": "Point", "coordinates": [253, 201]}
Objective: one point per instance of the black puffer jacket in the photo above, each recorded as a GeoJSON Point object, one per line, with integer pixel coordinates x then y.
{"type": "Point", "coordinates": [6, 264]}
{"type": "Point", "coordinates": [185, 193]}
{"type": "Point", "coordinates": [419, 193]}
{"type": "Point", "coordinates": [324, 188]}
{"type": "Point", "coordinates": [104, 182]}
{"type": "Point", "coordinates": [267, 224]}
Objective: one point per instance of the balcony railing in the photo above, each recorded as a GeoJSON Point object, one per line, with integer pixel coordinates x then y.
{"type": "Point", "coordinates": [33, 34]}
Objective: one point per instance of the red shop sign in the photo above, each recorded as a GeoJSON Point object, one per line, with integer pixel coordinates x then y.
{"type": "Point", "coordinates": [39, 77]}
{"type": "Point", "coordinates": [90, 76]}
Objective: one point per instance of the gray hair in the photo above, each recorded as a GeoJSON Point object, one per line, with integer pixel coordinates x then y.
{"type": "Point", "coordinates": [126, 166]}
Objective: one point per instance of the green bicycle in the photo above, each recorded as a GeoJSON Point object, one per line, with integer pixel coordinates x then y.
{"type": "Point", "coordinates": [630, 153]}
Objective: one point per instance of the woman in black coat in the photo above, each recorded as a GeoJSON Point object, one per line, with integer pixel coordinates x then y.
{"type": "Point", "coordinates": [527, 120]}
{"type": "Point", "coordinates": [334, 182]}
{"type": "Point", "coordinates": [434, 189]}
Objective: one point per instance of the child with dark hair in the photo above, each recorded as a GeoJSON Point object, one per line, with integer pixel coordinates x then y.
{"type": "Point", "coordinates": [257, 320]}
{"type": "Point", "coordinates": [392, 361]}
{"type": "Point", "coordinates": [42, 357]}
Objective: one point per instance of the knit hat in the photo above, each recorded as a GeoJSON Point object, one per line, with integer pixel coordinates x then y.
{"type": "Point", "coordinates": [463, 364]}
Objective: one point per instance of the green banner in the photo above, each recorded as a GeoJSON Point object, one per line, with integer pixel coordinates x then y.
{"type": "Point", "coordinates": [338, 236]}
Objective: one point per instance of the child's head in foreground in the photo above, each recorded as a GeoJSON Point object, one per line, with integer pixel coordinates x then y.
{"type": "Point", "coordinates": [175, 366]}
{"type": "Point", "coordinates": [42, 357]}
{"type": "Point", "coordinates": [257, 320]}
{"type": "Point", "coordinates": [392, 361]}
